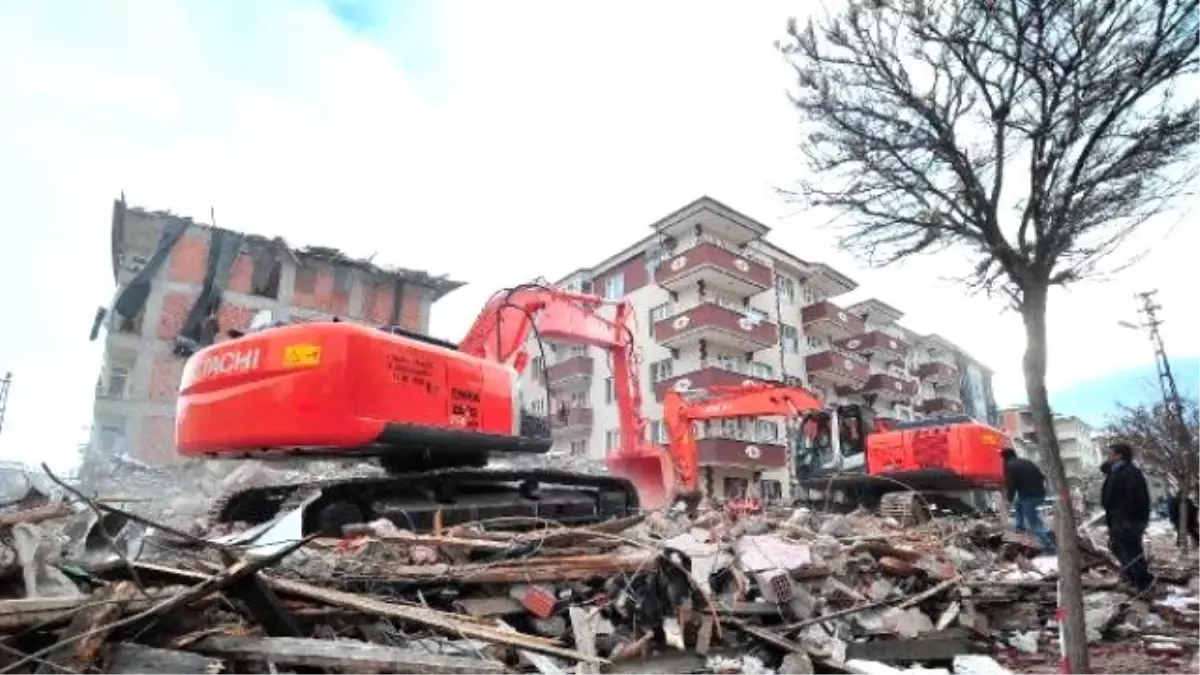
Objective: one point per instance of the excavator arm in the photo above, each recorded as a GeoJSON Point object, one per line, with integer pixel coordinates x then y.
{"type": "Point", "coordinates": [501, 333]}
{"type": "Point", "coordinates": [720, 403]}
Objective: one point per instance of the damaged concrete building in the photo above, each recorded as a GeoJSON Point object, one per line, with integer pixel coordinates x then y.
{"type": "Point", "coordinates": [182, 285]}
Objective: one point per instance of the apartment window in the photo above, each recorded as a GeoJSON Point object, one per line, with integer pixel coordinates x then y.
{"type": "Point", "coordinates": [539, 406]}
{"type": "Point", "coordinates": [538, 365]}
{"type": "Point", "coordinates": [609, 390]}
{"type": "Point", "coordinates": [264, 280]}
{"type": "Point", "coordinates": [661, 370]}
{"type": "Point", "coordinates": [726, 362]}
{"type": "Point", "coordinates": [111, 437]}
{"type": "Point", "coordinates": [612, 438]}
{"type": "Point", "coordinates": [736, 488]}
{"type": "Point", "coordinates": [343, 280]}
{"type": "Point", "coordinates": [755, 315]}
{"type": "Point", "coordinates": [762, 370]}
{"type": "Point", "coordinates": [659, 312]}
{"type": "Point", "coordinates": [791, 339]}
{"type": "Point", "coordinates": [811, 296]}
{"type": "Point", "coordinates": [786, 288]}
{"type": "Point", "coordinates": [579, 448]}
{"type": "Point", "coordinates": [118, 378]}
{"type": "Point", "coordinates": [577, 350]}
{"type": "Point", "coordinates": [766, 431]}
{"type": "Point", "coordinates": [658, 432]}
{"type": "Point", "coordinates": [614, 287]}
{"type": "Point", "coordinates": [579, 399]}
{"type": "Point", "coordinates": [814, 342]}
{"type": "Point", "coordinates": [772, 490]}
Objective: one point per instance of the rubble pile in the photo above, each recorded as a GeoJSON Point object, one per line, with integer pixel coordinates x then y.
{"type": "Point", "coordinates": [92, 587]}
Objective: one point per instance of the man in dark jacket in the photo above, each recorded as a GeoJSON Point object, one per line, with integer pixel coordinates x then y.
{"type": "Point", "coordinates": [1025, 488]}
{"type": "Point", "coordinates": [1192, 520]}
{"type": "Point", "coordinates": [1126, 500]}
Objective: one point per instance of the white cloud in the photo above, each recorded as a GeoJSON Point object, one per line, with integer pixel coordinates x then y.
{"type": "Point", "coordinates": [552, 138]}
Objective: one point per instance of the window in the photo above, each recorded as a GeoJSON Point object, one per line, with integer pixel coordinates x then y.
{"type": "Point", "coordinates": [609, 390]}
{"type": "Point", "coordinates": [579, 448]}
{"type": "Point", "coordinates": [659, 312]}
{"type": "Point", "coordinates": [612, 439]}
{"type": "Point", "coordinates": [726, 362]}
{"type": "Point", "coordinates": [736, 488]}
{"type": "Point", "coordinates": [786, 288]}
{"type": "Point", "coordinates": [539, 406]}
{"type": "Point", "coordinates": [791, 339]}
{"type": "Point", "coordinates": [661, 370]}
{"type": "Point", "coordinates": [814, 342]}
{"type": "Point", "coordinates": [614, 287]}
{"type": "Point", "coordinates": [658, 432]}
{"type": "Point", "coordinates": [343, 280]}
{"type": "Point", "coordinates": [264, 280]}
{"type": "Point", "coordinates": [118, 377]}
{"type": "Point", "coordinates": [755, 315]}
{"type": "Point", "coordinates": [111, 437]}
{"type": "Point", "coordinates": [762, 370]}
{"type": "Point", "coordinates": [766, 431]}
{"type": "Point", "coordinates": [772, 490]}
{"type": "Point", "coordinates": [579, 399]}
{"type": "Point", "coordinates": [811, 296]}
{"type": "Point", "coordinates": [538, 366]}
{"type": "Point", "coordinates": [306, 279]}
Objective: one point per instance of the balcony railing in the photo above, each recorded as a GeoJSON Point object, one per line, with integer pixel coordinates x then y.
{"type": "Point", "coordinates": [937, 372]}
{"type": "Point", "coordinates": [825, 319]}
{"type": "Point", "coordinates": [877, 343]}
{"type": "Point", "coordinates": [716, 265]}
{"type": "Point", "coordinates": [721, 325]}
{"type": "Point", "coordinates": [708, 376]}
{"type": "Point", "coordinates": [939, 405]}
{"type": "Point", "coordinates": [732, 452]}
{"type": "Point", "coordinates": [837, 368]}
{"type": "Point", "coordinates": [889, 387]}
{"type": "Point", "coordinates": [571, 368]}
{"type": "Point", "coordinates": [576, 417]}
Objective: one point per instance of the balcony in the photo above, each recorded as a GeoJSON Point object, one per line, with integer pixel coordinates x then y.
{"type": "Point", "coordinates": [719, 325]}
{"type": "Point", "coordinates": [717, 268]}
{"type": "Point", "coordinates": [742, 454]}
{"type": "Point", "coordinates": [877, 343]}
{"type": "Point", "coordinates": [571, 419]}
{"type": "Point", "coordinates": [888, 388]}
{"type": "Point", "coordinates": [709, 376]}
{"type": "Point", "coordinates": [936, 372]}
{"type": "Point", "coordinates": [827, 320]}
{"type": "Point", "coordinates": [837, 368]}
{"type": "Point", "coordinates": [574, 368]}
{"type": "Point", "coordinates": [940, 406]}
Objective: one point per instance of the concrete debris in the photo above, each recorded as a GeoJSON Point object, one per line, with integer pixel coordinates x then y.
{"type": "Point", "coordinates": [717, 590]}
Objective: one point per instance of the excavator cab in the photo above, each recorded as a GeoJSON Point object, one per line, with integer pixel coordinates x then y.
{"type": "Point", "coordinates": [833, 441]}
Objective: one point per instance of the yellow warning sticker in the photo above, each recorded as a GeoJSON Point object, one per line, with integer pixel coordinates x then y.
{"type": "Point", "coordinates": [298, 356]}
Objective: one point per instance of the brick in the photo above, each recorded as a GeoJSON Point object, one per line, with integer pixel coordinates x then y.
{"type": "Point", "coordinates": [377, 300]}
{"type": "Point", "coordinates": [189, 259]}
{"type": "Point", "coordinates": [231, 316]}
{"type": "Point", "coordinates": [156, 440]}
{"type": "Point", "coordinates": [165, 375]}
{"type": "Point", "coordinates": [175, 309]}
{"type": "Point", "coordinates": [410, 312]}
{"type": "Point", "coordinates": [321, 297]}
{"type": "Point", "coordinates": [241, 276]}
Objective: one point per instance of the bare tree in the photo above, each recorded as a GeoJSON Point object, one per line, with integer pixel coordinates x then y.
{"type": "Point", "coordinates": [1151, 431]}
{"type": "Point", "coordinates": [918, 112]}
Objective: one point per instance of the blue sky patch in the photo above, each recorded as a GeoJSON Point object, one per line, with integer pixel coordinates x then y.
{"type": "Point", "coordinates": [1095, 400]}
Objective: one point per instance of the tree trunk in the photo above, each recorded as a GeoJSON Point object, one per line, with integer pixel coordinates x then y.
{"type": "Point", "coordinates": [1070, 601]}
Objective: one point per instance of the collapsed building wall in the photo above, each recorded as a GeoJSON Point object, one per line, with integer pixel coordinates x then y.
{"type": "Point", "coordinates": [182, 285]}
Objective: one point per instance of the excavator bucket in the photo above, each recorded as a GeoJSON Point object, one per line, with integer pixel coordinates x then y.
{"type": "Point", "coordinates": [651, 474]}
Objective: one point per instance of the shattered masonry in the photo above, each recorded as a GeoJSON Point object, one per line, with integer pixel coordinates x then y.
{"type": "Point", "coordinates": [184, 284]}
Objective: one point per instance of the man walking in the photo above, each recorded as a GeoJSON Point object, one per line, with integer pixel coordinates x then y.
{"type": "Point", "coordinates": [1126, 501]}
{"type": "Point", "coordinates": [1025, 488]}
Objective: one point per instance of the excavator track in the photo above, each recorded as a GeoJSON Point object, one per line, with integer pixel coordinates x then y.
{"type": "Point", "coordinates": [413, 500]}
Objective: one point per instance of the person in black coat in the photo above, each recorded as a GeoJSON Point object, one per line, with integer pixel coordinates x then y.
{"type": "Point", "coordinates": [1126, 501]}
{"type": "Point", "coordinates": [1193, 518]}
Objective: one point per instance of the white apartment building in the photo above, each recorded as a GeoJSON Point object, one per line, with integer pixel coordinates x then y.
{"type": "Point", "coordinates": [718, 304]}
{"type": "Point", "coordinates": [1077, 440]}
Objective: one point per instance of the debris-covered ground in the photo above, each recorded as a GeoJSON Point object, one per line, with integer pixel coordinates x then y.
{"type": "Point", "coordinates": [90, 588]}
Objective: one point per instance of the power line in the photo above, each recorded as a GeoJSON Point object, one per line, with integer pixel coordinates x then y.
{"type": "Point", "coordinates": [4, 386]}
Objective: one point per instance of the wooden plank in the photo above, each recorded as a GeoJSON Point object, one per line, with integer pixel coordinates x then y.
{"type": "Point", "coordinates": [126, 657]}
{"type": "Point", "coordinates": [34, 515]}
{"type": "Point", "coordinates": [30, 611]}
{"type": "Point", "coordinates": [88, 629]}
{"type": "Point", "coordinates": [350, 655]}
{"type": "Point", "coordinates": [583, 626]}
{"type": "Point", "coordinates": [447, 623]}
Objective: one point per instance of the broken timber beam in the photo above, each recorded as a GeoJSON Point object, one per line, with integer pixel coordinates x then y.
{"type": "Point", "coordinates": [345, 655]}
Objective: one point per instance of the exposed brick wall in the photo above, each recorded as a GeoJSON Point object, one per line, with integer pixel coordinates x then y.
{"type": "Point", "coordinates": [233, 317]}
{"type": "Point", "coordinates": [322, 297]}
{"type": "Point", "coordinates": [377, 300]}
{"type": "Point", "coordinates": [165, 374]}
{"type": "Point", "coordinates": [156, 440]}
{"type": "Point", "coordinates": [242, 274]}
{"type": "Point", "coordinates": [189, 259]}
{"type": "Point", "coordinates": [174, 312]}
{"type": "Point", "coordinates": [410, 312]}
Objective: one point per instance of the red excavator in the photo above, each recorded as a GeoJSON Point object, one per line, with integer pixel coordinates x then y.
{"type": "Point", "coordinates": [431, 411]}
{"type": "Point", "coordinates": [847, 454]}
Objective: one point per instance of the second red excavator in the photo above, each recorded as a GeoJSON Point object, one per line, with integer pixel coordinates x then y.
{"type": "Point", "coordinates": [846, 453]}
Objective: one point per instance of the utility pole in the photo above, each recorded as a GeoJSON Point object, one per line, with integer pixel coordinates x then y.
{"type": "Point", "coordinates": [4, 386]}
{"type": "Point", "coordinates": [1173, 404]}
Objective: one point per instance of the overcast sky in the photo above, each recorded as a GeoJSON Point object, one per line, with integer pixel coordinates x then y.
{"type": "Point", "coordinates": [492, 141]}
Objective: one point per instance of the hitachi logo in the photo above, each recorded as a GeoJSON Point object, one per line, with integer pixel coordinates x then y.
{"type": "Point", "coordinates": [228, 363]}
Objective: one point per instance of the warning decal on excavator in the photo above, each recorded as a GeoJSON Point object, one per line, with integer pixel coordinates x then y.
{"type": "Point", "coordinates": [298, 356]}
